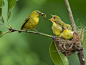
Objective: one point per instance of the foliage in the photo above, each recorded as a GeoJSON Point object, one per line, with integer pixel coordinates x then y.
{"type": "Point", "coordinates": [57, 57]}
{"type": "Point", "coordinates": [30, 49]}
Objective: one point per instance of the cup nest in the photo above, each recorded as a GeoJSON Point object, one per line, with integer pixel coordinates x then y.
{"type": "Point", "coordinates": [66, 47]}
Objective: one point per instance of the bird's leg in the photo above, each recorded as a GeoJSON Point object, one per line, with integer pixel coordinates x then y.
{"type": "Point", "coordinates": [26, 30]}
{"type": "Point", "coordinates": [36, 31]}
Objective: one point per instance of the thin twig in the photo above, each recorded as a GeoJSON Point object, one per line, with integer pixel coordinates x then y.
{"type": "Point", "coordinates": [70, 15]}
{"type": "Point", "coordinates": [9, 23]}
{"type": "Point", "coordinates": [12, 30]}
{"type": "Point", "coordinates": [4, 25]}
{"type": "Point", "coordinates": [6, 32]}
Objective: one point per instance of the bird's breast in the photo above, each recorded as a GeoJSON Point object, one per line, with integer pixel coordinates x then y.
{"type": "Point", "coordinates": [36, 21]}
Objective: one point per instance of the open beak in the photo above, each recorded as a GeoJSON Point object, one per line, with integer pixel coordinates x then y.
{"type": "Point", "coordinates": [43, 14]}
{"type": "Point", "coordinates": [51, 19]}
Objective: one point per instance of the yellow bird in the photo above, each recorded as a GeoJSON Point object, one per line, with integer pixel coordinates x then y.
{"type": "Point", "coordinates": [66, 34]}
{"type": "Point", "coordinates": [57, 29]}
{"type": "Point", "coordinates": [58, 21]}
{"type": "Point", "coordinates": [32, 20]}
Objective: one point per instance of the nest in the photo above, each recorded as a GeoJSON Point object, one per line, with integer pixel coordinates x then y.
{"type": "Point", "coordinates": [66, 47]}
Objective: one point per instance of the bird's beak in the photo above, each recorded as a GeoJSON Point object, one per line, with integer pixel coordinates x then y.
{"type": "Point", "coordinates": [43, 14]}
{"type": "Point", "coordinates": [65, 28]}
{"type": "Point", "coordinates": [51, 19]}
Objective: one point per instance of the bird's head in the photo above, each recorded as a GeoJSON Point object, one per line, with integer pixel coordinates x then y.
{"type": "Point", "coordinates": [65, 27]}
{"type": "Point", "coordinates": [37, 13]}
{"type": "Point", "coordinates": [55, 19]}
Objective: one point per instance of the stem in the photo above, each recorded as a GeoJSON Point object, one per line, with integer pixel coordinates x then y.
{"type": "Point", "coordinates": [81, 55]}
{"type": "Point", "coordinates": [70, 15]}
{"type": "Point", "coordinates": [5, 25]}
{"type": "Point", "coordinates": [80, 48]}
{"type": "Point", "coordinates": [12, 30]}
{"type": "Point", "coordinates": [6, 32]}
{"type": "Point", "coordinates": [9, 23]}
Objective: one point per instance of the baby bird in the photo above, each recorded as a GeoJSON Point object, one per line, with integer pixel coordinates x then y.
{"type": "Point", "coordinates": [66, 34]}
{"type": "Point", "coordinates": [57, 20]}
{"type": "Point", "coordinates": [32, 20]}
{"type": "Point", "coordinates": [56, 27]}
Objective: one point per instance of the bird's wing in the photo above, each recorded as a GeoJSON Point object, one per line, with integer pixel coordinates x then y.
{"type": "Point", "coordinates": [25, 22]}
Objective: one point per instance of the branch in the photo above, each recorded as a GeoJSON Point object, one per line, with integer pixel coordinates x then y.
{"type": "Point", "coordinates": [12, 30]}
{"type": "Point", "coordinates": [81, 55]}
{"type": "Point", "coordinates": [70, 15]}
{"type": "Point", "coordinates": [76, 37]}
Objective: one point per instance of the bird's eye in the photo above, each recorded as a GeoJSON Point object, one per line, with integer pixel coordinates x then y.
{"type": "Point", "coordinates": [37, 12]}
{"type": "Point", "coordinates": [53, 17]}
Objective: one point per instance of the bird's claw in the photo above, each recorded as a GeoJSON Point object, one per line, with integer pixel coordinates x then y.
{"type": "Point", "coordinates": [36, 31]}
{"type": "Point", "coordinates": [26, 30]}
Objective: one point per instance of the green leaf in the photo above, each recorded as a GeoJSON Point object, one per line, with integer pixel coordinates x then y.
{"type": "Point", "coordinates": [11, 5]}
{"type": "Point", "coordinates": [2, 3]}
{"type": "Point", "coordinates": [57, 57]}
{"type": "Point", "coordinates": [1, 17]}
{"type": "Point", "coordinates": [8, 15]}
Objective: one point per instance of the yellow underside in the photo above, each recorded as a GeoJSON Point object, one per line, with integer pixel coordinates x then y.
{"type": "Point", "coordinates": [57, 29]}
{"type": "Point", "coordinates": [67, 34]}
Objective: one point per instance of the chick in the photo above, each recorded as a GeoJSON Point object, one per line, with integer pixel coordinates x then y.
{"type": "Point", "coordinates": [58, 21]}
{"type": "Point", "coordinates": [66, 34]}
{"type": "Point", "coordinates": [57, 29]}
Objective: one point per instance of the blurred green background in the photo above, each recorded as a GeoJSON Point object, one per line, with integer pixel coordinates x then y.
{"type": "Point", "coordinates": [31, 49]}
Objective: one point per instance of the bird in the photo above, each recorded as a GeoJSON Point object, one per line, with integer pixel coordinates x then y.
{"type": "Point", "coordinates": [58, 21]}
{"type": "Point", "coordinates": [66, 34]}
{"type": "Point", "coordinates": [56, 27]}
{"type": "Point", "coordinates": [32, 20]}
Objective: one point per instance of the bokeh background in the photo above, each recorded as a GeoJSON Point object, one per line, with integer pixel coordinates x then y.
{"type": "Point", "coordinates": [31, 49]}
